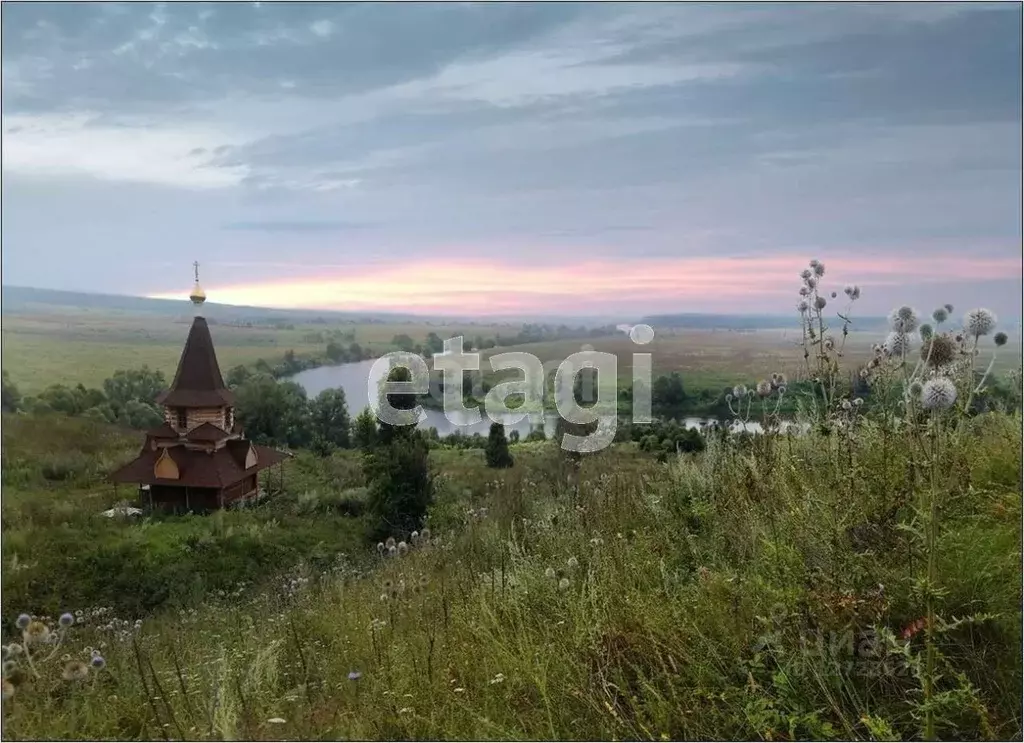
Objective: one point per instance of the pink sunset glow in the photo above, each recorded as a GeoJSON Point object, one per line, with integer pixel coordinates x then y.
{"type": "Point", "coordinates": [493, 287]}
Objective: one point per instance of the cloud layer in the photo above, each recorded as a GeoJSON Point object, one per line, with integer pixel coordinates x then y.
{"type": "Point", "coordinates": [299, 146]}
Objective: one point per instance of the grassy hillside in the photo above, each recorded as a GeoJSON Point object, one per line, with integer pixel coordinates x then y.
{"type": "Point", "coordinates": [769, 589]}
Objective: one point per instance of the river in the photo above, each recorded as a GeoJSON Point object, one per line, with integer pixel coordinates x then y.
{"type": "Point", "coordinates": [354, 379]}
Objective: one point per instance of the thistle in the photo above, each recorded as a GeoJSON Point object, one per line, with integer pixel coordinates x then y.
{"type": "Point", "coordinates": [938, 394]}
{"type": "Point", "coordinates": [1000, 338]}
{"type": "Point", "coordinates": [23, 621]}
{"type": "Point", "coordinates": [938, 351]}
{"type": "Point", "coordinates": [563, 585]}
{"type": "Point", "coordinates": [940, 315]}
{"type": "Point", "coordinates": [979, 322]}
{"type": "Point", "coordinates": [389, 543]}
{"type": "Point", "coordinates": [896, 343]}
{"type": "Point", "coordinates": [403, 548]}
{"type": "Point", "coordinates": [903, 319]}
{"type": "Point", "coordinates": [764, 388]}
{"type": "Point", "coordinates": [66, 620]}
{"type": "Point", "coordinates": [76, 670]}
{"type": "Point", "coordinates": [36, 633]}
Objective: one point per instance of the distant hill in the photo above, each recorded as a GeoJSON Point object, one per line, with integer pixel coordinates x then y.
{"type": "Point", "coordinates": [700, 321]}
{"type": "Point", "coordinates": [19, 300]}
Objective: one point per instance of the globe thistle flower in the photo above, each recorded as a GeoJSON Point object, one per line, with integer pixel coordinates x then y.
{"type": "Point", "coordinates": [915, 388]}
{"type": "Point", "coordinates": [380, 548]}
{"type": "Point", "coordinates": [36, 633]}
{"type": "Point", "coordinates": [804, 291]}
{"type": "Point", "coordinates": [926, 331]}
{"type": "Point", "coordinates": [355, 675]}
{"type": "Point", "coordinates": [980, 322]}
{"type": "Point", "coordinates": [819, 268]}
{"type": "Point", "coordinates": [833, 295]}
{"type": "Point", "coordinates": [948, 308]}
{"type": "Point", "coordinates": [938, 394]}
{"type": "Point", "coordinates": [97, 662]}
{"type": "Point", "coordinates": [764, 388]}
{"type": "Point", "coordinates": [389, 543]}
{"type": "Point", "coordinates": [8, 690]}
{"type": "Point", "coordinates": [550, 573]}
{"type": "Point", "coordinates": [802, 306]}
{"type": "Point", "coordinates": [739, 391]}
{"type": "Point", "coordinates": [572, 563]}
{"type": "Point", "coordinates": [1000, 338]}
{"type": "Point", "coordinates": [392, 551]}
{"type": "Point", "coordinates": [820, 302]}
{"type": "Point", "coordinates": [414, 538]}
{"type": "Point", "coordinates": [782, 389]}
{"type": "Point", "coordinates": [66, 619]}
{"type": "Point", "coordinates": [940, 315]}
{"type": "Point", "coordinates": [811, 282]}
{"type": "Point", "coordinates": [903, 319]}
{"type": "Point", "coordinates": [939, 350]}
{"type": "Point", "coordinates": [403, 548]}
{"type": "Point", "coordinates": [563, 585]}
{"type": "Point", "coordinates": [23, 621]}
{"type": "Point", "coordinates": [806, 274]}
{"type": "Point", "coordinates": [425, 535]}
{"type": "Point", "coordinates": [76, 670]}
{"type": "Point", "coordinates": [897, 344]}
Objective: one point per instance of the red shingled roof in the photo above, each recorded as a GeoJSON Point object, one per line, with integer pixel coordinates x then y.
{"type": "Point", "coordinates": [200, 469]}
{"type": "Point", "coordinates": [198, 382]}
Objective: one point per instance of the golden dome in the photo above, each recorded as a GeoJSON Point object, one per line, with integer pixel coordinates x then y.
{"type": "Point", "coordinates": [198, 296]}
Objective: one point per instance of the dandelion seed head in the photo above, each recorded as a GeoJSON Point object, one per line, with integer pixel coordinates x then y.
{"type": "Point", "coordinates": [980, 322]}
{"type": "Point", "coordinates": [903, 319]}
{"type": "Point", "coordinates": [938, 394]}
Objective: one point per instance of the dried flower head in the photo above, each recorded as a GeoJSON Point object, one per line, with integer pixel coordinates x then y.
{"type": "Point", "coordinates": [392, 551]}
{"type": "Point", "coordinates": [846, 405]}
{"type": "Point", "coordinates": [414, 537]}
{"type": "Point", "coordinates": [1000, 338]}
{"type": "Point", "coordinates": [550, 573]}
{"type": "Point", "coordinates": [897, 344]}
{"type": "Point", "coordinates": [380, 548]}
{"type": "Point", "coordinates": [389, 542]}
{"type": "Point", "coordinates": [903, 319]}
{"type": "Point", "coordinates": [75, 670]}
{"type": "Point", "coordinates": [739, 391]}
{"type": "Point", "coordinates": [15, 649]}
{"type": "Point", "coordinates": [820, 302]}
{"type": "Point", "coordinates": [830, 343]}
{"type": "Point", "coordinates": [9, 666]}
{"type": "Point", "coordinates": [940, 315]}
{"type": "Point", "coordinates": [563, 584]}
{"type": "Point", "coordinates": [819, 269]}
{"type": "Point", "coordinates": [811, 282]}
{"type": "Point", "coordinates": [36, 633]}
{"type": "Point", "coordinates": [857, 402]}
{"type": "Point", "coordinates": [22, 621]}
{"type": "Point", "coordinates": [802, 306]}
{"type": "Point", "coordinates": [979, 322]}
{"type": "Point", "coordinates": [403, 548]}
{"type": "Point", "coordinates": [66, 619]}
{"type": "Point", "coordinates": [806, 274]}
{"type": "Point", "coordinates": [572, 563]}
{"type": "Point", "coordinates": [939, 350]}
{"type": "Point", "coordinates": [764, 388]}
{"type": "Point", "coordinates": [425, 535]}
{"type": "Point", "coordinates": [938, 394]}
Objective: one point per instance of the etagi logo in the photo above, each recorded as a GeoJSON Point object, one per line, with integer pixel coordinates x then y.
{"type": "Point", "coordinates": [454, 361]}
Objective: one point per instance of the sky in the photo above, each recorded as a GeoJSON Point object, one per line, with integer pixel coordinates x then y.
{"type": "Point", "coordinates": [504, 158]}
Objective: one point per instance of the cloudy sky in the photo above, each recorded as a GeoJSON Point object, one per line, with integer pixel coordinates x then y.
{"type": "Point", "coordinates": [514, 158]}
